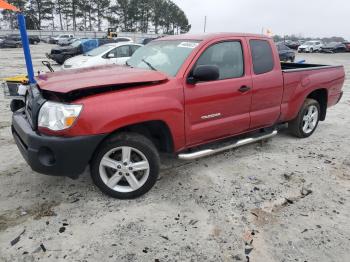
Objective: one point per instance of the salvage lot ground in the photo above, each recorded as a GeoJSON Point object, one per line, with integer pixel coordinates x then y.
{"type": "Point", "coordinates": [284, 200]}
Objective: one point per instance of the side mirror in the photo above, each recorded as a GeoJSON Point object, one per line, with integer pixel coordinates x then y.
{"type": "Point", "coordinates": [204, 73]}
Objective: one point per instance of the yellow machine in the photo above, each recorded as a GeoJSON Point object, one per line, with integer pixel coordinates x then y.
{"type": "Point", "coordinates": [23, 79]}
{"type": "Point", "coordinates": [15, 88]}
{"type": "Point", "coordinates": [11, 86]}
{"type": "Point", "coordinates": [112, 32]}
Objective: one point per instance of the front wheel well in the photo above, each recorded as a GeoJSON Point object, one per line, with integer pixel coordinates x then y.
{"type": "Point", "coordinates": [321, 96]}
{"type": "Point", "coordinates": [157, 131]}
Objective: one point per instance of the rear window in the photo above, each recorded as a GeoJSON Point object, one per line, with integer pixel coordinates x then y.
{"type": "Point", "coordinates": [262, 56]}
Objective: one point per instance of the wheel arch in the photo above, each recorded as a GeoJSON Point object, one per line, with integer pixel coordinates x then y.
{"type": "Point", "coordinates": [321, 96]}
{"type": "Point", "coordinates": [157, 131]}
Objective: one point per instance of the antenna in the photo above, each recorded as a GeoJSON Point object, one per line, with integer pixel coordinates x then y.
{"type": "Point", "coordinates": [205, 23]}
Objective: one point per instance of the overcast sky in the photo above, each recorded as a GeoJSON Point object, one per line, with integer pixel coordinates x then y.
{"type": "Point", "coordinates": [312, 18]}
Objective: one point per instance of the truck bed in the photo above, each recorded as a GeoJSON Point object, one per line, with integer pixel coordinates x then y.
{"type": "Point", "coordinates": [300, 80]}
{"type": "Point", "coordinates": [292, 67]}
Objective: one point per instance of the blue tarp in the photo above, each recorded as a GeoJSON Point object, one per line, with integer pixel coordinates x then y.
{"type": "Point", "coordinates": [89, 44]}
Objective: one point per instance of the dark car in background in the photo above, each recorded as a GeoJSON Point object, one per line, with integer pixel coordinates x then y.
{"type": "Point", "coordinates": [292, 44]}
{"type": "Point", "coordinates": [33, 39]}
{"type": "Point", "coordinates": [333, 47]}
{"type": "Point", "coordinates": [67, 41]}
{"type": "Point", "coordinates": [78, 47]}
{"type": "Point", "coordinates": [11, 41]}
{"type": "Point", "coordinates": [45, 39]}
{"type": "Point", "coordinates": [145, 41]}
{"type": "Point", "coordinates": [285, 53]}
{"type": "Point", "coordinates": [14, 40]}
{"type": "Point", "coordinates": [347, 45]}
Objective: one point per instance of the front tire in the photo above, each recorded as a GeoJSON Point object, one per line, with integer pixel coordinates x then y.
{"type": "Point", "coordinates": [305, 124]}
{"type": "Point", "coordinates": [125, 166]}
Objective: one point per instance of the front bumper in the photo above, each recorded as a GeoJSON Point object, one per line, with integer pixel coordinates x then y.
{"type": "Point", "coordinates": [52, 155]}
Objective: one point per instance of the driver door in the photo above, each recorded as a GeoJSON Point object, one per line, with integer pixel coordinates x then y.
{"type": "Point", "coordinates": [220, 108]}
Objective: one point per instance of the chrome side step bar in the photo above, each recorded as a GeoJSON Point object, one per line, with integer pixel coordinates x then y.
{"type": "Point", "coordinates": [242, 142]}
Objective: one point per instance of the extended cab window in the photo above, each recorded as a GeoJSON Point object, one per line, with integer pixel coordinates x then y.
{"type": "Point", "coordinates": [262, 56]}
{"type": "Point", "coordinates": [227, 56]}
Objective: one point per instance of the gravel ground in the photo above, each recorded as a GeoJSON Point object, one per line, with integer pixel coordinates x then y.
{"type": "Point", "coordinates": [284, 200]}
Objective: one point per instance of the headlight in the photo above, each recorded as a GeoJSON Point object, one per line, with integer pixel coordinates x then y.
{"type": "Point", "coordinates": [57, 116]}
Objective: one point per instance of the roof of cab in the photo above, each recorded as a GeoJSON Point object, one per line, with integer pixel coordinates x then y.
{"type": "Point", "coordinates": [209, 36]}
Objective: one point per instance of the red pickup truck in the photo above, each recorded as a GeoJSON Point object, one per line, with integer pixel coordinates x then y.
{"type": "Point", "coordinates": [176, 95]}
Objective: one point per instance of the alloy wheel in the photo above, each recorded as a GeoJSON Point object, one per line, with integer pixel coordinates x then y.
{"type": "Point", "coordinates": [124, 169]}
{"type": "Point", "coordinates": [310, 119]}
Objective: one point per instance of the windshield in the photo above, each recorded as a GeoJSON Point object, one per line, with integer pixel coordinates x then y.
{"type": "Point", "coordinates": [98, 51]}
{"type": "Point", "coordinates": [309, 43]}
{"type": "Point", "coordinates": [76, 43]}
{"type": "Point", "coordinates": [164, 56]}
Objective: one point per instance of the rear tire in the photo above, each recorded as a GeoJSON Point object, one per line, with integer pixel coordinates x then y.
{"type": "Point", "coordinates": [125, 166]}
{"type": "Point", "coordinates": [305, 124]}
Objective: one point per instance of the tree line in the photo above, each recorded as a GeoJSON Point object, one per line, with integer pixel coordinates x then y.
{"type": "Point", "coordinates": [158, 16]}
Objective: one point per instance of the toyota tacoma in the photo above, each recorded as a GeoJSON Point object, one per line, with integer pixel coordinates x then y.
{"type": "Point", "coordinates": [177, 95]}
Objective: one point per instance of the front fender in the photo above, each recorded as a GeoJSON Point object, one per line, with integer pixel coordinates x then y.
{"type": "Point", "coordinates": [107, 112]}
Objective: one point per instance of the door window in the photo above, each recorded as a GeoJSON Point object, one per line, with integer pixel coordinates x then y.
{"type": "Point", "coordinates": [262, 56]}
{"type": "Point", "coordinates": [134, 48]}
{"type": "Point", "coordinates": [227, 56]}
{"type": "Point", "coordinates": [123, 51]}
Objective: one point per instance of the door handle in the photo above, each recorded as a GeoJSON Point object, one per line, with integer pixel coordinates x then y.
{"type": "Point", "coordinates": [244, 89]}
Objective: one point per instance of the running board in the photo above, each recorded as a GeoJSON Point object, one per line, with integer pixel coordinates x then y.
{"type": "Point", "coordinates": [242, 142]}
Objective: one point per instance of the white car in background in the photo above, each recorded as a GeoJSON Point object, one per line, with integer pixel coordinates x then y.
{"type": "Point", "coordinates": [113, 53]}
{"type": "Point", "coordinates": [59, 38]}
{"type": "Point", "coordinates": [122, 39]}
{"type": "Point", "coordinates": [310, 47]}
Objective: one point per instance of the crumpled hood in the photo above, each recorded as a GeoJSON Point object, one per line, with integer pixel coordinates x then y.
{"type": "Point", "coordinates": [95, 77]}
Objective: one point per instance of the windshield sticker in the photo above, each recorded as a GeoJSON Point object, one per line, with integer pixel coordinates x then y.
{"type": "Point", "coordinates": [188, 45]}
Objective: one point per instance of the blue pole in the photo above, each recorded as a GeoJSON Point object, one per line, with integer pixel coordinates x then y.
{"type": "Point", "coordinates": [26, 49]}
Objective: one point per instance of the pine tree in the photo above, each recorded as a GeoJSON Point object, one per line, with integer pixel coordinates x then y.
{"type": "Point", "coordinates": [41, 10]}
{"type": "Point", "coordinates": [129, 15]}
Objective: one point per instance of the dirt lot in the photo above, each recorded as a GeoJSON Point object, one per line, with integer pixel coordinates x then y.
{"type": "Point", "coordinates": [285, 200]}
